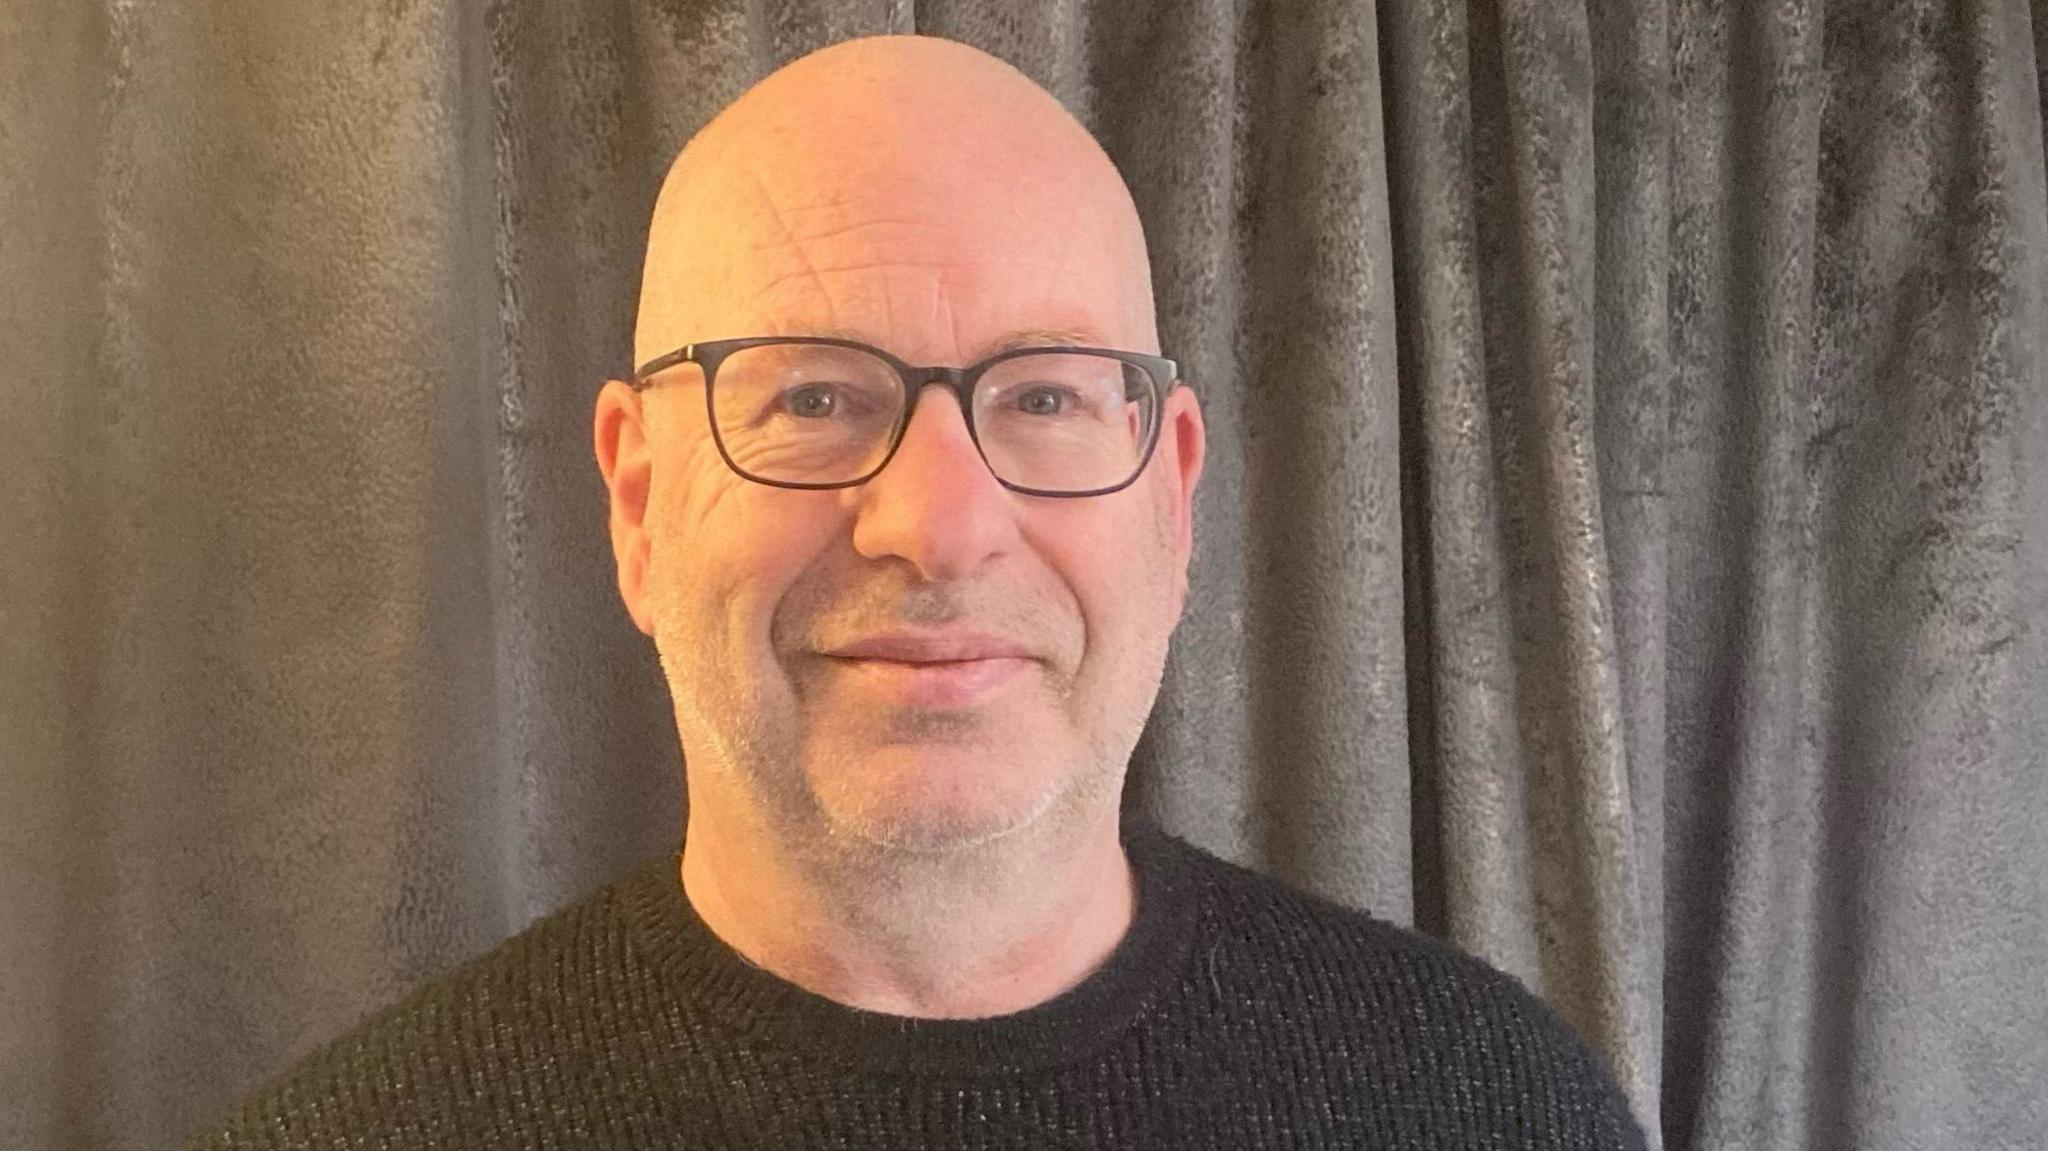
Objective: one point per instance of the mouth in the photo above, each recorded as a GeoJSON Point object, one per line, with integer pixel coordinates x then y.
{"type": "Point", "coordinates": [949, 683]}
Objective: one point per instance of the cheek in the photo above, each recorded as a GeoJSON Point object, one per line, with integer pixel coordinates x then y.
{"type": "Point", "coordinates": [749, 549]}
{"type": "Point", "coordinates": [703, 567]}
{"type": "Point", "coordinates": [1118, 573]}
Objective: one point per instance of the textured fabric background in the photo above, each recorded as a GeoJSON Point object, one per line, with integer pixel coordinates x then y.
{"type": "Point", "coordinates": [1623, 548]}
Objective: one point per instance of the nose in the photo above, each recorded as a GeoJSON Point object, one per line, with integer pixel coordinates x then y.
{"type": "Point", "coordinates": [936, 504]}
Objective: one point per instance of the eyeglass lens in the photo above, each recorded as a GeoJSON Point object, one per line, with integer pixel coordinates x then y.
{"type": "Point", "coordinates": [824, 414]}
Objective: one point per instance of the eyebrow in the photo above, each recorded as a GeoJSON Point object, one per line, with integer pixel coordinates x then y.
{"type": "Point", "coordinates": [1021, 338]}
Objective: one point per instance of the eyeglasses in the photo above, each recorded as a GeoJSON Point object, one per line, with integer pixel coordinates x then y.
{"type": "Point", "coordinates": [817, 412]}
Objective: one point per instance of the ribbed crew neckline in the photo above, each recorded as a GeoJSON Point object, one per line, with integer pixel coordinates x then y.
{"type": "Point", "coordinates": [704, 971]}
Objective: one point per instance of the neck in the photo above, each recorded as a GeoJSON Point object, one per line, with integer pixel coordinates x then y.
{"type": "Point", "coordinates": [984, 931]}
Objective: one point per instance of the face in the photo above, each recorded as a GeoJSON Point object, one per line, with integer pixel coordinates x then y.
{"type": "Point", "coordinates": [746, 588]}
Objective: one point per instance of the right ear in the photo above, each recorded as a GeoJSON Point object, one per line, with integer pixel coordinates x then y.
{"type": "Point", "coordinates": [627, 465]}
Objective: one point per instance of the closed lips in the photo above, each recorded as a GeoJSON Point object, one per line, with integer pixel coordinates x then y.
{"type": "Point", "coordinates": [932, 649]}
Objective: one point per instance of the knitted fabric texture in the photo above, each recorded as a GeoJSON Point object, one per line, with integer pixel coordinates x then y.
{"type": "Point", "coordinates": [1236, 1013]}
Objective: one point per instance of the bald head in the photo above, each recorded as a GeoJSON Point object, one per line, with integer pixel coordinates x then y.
{"type": "Point", "coordinates": [910, 188]}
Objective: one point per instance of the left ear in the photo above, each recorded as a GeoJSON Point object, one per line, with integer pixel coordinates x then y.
{"type": "Point", "coordinates": [1183, 441]}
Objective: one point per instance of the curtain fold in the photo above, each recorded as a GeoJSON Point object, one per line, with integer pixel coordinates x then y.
{"type": "Point", "coordinates": [1622, 551]}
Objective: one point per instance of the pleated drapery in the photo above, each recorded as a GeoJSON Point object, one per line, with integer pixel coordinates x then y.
{"type": "Point", "coordinates": [1622, 550]}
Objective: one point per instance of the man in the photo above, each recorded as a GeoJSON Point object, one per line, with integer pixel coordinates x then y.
{"type": "Point", "coordinates": [913, 621]}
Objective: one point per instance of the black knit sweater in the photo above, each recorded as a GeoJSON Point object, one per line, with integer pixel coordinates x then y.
{"type": "Point", "coordinates": [1235, 1013]}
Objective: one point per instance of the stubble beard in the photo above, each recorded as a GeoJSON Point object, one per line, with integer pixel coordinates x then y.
{"type": "Point", "coordinates": [748, 728]}
{"type": "Point", "coordinates": [873, 855]}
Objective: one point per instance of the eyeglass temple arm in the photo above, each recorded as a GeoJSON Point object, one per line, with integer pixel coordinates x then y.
{"type": "Point", "coordinates": [663, 363]}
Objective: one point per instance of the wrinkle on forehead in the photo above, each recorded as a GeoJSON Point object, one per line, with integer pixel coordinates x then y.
{"type": "Point", "coordinates": [887, 150]}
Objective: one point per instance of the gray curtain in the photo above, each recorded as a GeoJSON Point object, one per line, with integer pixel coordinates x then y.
{"type": "Point", "coordinates": [1622, 548]}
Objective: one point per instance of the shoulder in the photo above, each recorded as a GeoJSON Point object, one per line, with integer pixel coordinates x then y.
{"type": "Point", "coordinates": [1409, 1012]}
{"type": "Point", "coordinates": [457, 1054]}
{"type": "Point", "coordinates": [1322, 940]}
{"type": "Point", "coordinates": [1282, 921]}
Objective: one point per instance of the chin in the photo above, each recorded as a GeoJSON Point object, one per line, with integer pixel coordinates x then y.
{"type": "Point", "coordinates": [934, 800]}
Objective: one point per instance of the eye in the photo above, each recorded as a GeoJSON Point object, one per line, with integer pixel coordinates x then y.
{"type": "Point", "coordinates": [1032, 401]}
{"type": "Point", "coordinates": [811, 401]}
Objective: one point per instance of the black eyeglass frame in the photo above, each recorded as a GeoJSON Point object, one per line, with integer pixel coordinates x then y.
{"type": "Point", "coordinates": [1164, 374]}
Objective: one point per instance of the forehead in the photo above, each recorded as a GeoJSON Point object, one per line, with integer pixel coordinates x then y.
{"type": "Point", "coordinates": [903, 252]}
{"type": "Point", "coordinates": [941, 247]}
{"type": "Point", "coordinates": [1075, 336]}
